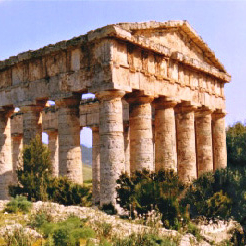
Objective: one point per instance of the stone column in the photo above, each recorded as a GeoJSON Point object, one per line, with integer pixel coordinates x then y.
{"type": "Point", "coordinates": [204, 150]}
{"type": "Point", "coordinates": [141, 136]}
{"type": "Point", "coordinates": [165, 135]}
{"type": "Point", "coordinates": [6, 169]}
{"type": "Point", "coordinates": [70, 163]}
{"type": "Point", "coordinates": [127, 148]}
{"type": "Point", "coordinates": [111, 143]}
{"type": "Point", "coordinates": [32, 125]}
{"type": "Point", "coordinates": [219, 140]}
{"type": "Point", "coordinates": [17, 145]}
{"type": "Point", "coordinates": [95, 165]}
{"type": "Point", "coordinates": [53, 147]}
{"type": "Point", "coordinates": [186, 154]}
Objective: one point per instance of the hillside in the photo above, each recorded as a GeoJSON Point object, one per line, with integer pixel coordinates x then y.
{"type": "Point", "coordinates": [86, 155]}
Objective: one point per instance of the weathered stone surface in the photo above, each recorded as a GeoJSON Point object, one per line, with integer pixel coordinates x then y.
{"type": "Point", "coordinates": [95, 165]}
{"type": "Point", "coordinates": [112, 160]}
{"type": "Point", "coordinates": [6, 169]}
{"type": "Point", "coordinates": [141, 135]}
{"type": "Point", "coordinates": [186, 142]}
{"type": "Point", "coordinates": [70, 163]}
{"type": "Point", "coordinates": [219, 140]}
{"type": "Point", "coordinates": [32, 124]}
{"type": "Point", "coordinates": [164, 63]}
{"type": "Point", "coordinates": [204, 149]}
{"type": "Point", "coordinates": [165, 135]}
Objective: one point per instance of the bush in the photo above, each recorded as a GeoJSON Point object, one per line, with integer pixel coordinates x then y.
{"type": "Point", "coordinates": [63, 191]}
{"type": "Point", "coordinates": [36, 182]}
{"type": "Point", "coordinates": [19, 204]}
{"type": "Point", "coordinates": [109, 209]}
{"type": "Point", "coordinates": [144, 191]}
{"type": "Point", "coordinates": [33, 172]}
{"type": "Point", "coordinates": [67, 233]}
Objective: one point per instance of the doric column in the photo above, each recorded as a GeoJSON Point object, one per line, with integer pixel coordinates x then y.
{"type": "Point", "coordinates": [165, 134]}
{"type": "Point", "coordinates": [204, 149]}
{"type": "Point", "coordinates": [95, 165]}
{"type": "Point", "coordinates": [127, 148]}
{"type": "Point", "coordinates": [17, 145]}
{"type": "Point", "coordinates": [32, 125]}
{"type": "Point", "coordinates": [6, 169]}
{"type": "Point", "coordinates": [185, 130]}
{"type": "Point", "coordinates": [112, 161]}
{"type": "Point", "coordinates": [219, 140]}
{"type": "Point", "coordinates": [70, 163]}
{"type": "Point", "coordinates": [141, 136]}
{"type": "Point", "coordinates": [53, 148]}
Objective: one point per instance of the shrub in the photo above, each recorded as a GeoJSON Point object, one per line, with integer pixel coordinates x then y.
{"type": "Point", "coordinates": [63, 191]}
{"type": "Point", "coordinates": [67, 233]}
{"type": "Point", "coordinates": [19, 204]}
{"type": "Point", "coordinates": [144, 191]}
{"type": "Point", "coordinates": [33, 172]}
{"type": "Point", "coordinates": [109, 209]}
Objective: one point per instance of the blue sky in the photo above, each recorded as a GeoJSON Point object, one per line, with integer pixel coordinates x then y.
{"type": "Point", "coordinates": [28, 25]}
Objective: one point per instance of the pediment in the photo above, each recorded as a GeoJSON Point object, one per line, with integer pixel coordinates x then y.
{"type": "Point", "coordinates": [177, 36]}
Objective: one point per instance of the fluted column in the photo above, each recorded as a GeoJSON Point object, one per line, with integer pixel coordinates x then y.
{"type": "Point", "coordinates": [17, 145]}
{"type": "Point", "coordinates": [53, 148]}
{"type": "Point", "coordinates": [32, 125]}
{"type": "Point", "coordinates": [112, 160]}
{"type": "Point", "coordinates": [219, 140]}
{"type": "Point", "coordinates": [70, 163]}
{"type": "Point", "coordinates": [165, 135]}
{"type": "Point", "coordinates": [6, 169]}
{"type": "Point", "coordinates": [204, 149]}
{"type": "Point", "coordinates": [141, 136]}
{"type": "Point", "coordinates": [95, 165]}
{"type": "Point", "coordinates": [127, 148]}
{"type": "Point", "coordinates": [186, 154]}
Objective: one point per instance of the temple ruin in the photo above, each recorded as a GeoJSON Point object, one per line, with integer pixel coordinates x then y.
{"type": "Point", "coordinates": [159, 104]}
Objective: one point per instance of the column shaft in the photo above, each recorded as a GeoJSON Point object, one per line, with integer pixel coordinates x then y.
{"type": "Point", "coordinates": [32, 125]}
{"type": "Point", "coordinates": [70, 163]}
{"type": "Point", "coordinates": [141, 135]}
{"type": "Point", "coordinates": [165, 135]}
{"type": "Point", "coordinates": [204, 150]}
{"type": "Point", "coordinates": [186, 154]}
{"type": "Point", "coordinates": [95, 165]}
{"type": "Point", "coordinates": [6, 168]}
{"type": "Point", "coordinates": [53, 147]}
{"type": "Point", "coordinates": [111, 143]}
{"type": "Point", "coordinates": [127, 149]}
{"type": "Point", "coordinates": [17, 145]}
{"type": "Point", "coordinates": [219, 140]}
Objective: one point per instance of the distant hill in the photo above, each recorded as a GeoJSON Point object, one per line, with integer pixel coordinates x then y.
{"type": "Point", "coordinates": [86, 155]}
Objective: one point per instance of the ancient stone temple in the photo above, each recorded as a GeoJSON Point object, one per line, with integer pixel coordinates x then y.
{"type": "Point", "coordinates": [159, 104]}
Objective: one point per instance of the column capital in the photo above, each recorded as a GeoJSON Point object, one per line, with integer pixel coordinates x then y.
{"type": "Point", "coordinates": [7, 111]}
{"type": "Point", "coordinates": [110, 94]}
{"type": "Point", "coordinates": [164, 102]}
{"type": "Point", "coordinates": [31, 108]}
{"type": "Point", "coordinates": [68, 102]}
{"type": "Point", "coordinates": [138, 97]}
{"type": "Point", "coordinates": [94, 128]}
{"type": "Point", "coordinates": [218, 114]}
{"type": "Point", "coordinates": [185, 107]}
{"type": "Point", "coordinates": [203, 111]}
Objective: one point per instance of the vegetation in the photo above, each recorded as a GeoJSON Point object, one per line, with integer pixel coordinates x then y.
{"type": "Point", "coordinates": [19, 204]}
{"type": "Point", "coordinates": [152, 199]}
{"type": "Point", "coordinates": [35, 180]}
{"type": "Point", "coordinates": [145, 191]}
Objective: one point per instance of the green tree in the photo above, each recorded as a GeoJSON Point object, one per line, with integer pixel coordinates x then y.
{"type": "Point", "coordinates": [33, 172]}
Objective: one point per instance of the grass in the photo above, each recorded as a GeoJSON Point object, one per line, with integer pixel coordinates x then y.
{"type": "Point", "coordinates": [87, 172]}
